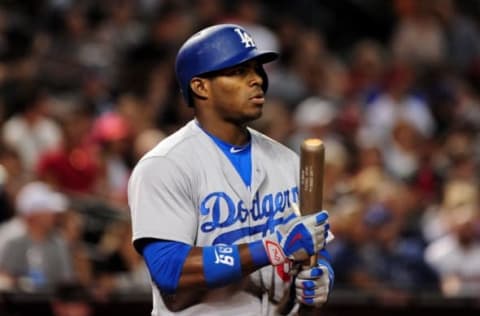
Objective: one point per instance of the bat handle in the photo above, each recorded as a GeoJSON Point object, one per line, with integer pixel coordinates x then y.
{"type": "Point", "coordinates": [307, 310]}
{"type": "Point", "coordinates": [313, 259]}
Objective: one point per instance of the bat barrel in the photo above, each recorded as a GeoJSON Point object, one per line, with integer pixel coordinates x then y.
{"type": "Point", "coordinates": [312, 157]}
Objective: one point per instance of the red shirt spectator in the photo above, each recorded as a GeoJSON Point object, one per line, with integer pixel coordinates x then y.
{"type": "Point", "coordinates": [74, 171]}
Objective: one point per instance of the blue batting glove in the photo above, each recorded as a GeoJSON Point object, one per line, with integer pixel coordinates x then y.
{"type": "Point", "coordinates": [313, 285]}
{"type": "Point", "coordinates": [298, 239]}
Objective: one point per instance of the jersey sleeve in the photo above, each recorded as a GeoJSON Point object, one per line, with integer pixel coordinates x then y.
{"type": "Point", "coordinates": [160, 201]}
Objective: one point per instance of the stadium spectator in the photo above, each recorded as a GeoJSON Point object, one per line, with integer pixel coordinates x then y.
{"type": "Point", "coordinates": [73, 167]}
{"type": "Point", "coordinates": [456, 255]}
{"type": "Point", "coordinates": [31, 132]}
{"type": "Point", "coordinates": [38, 259]}
{"type": "Point", "coordinates": [398, 101]}
{"type": "Point", "coordinates": [112, 133]}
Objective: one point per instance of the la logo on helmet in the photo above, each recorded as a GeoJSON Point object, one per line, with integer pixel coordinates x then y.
{"type": "Point", "coordinates": [247, 40]}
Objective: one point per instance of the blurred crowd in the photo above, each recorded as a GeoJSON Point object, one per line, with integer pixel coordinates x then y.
{"type": "Point", "coordinates": [392, 87]}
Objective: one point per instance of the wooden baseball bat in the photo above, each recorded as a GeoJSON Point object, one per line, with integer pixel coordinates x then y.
{"type": "Point", "coordinates": [312, 158]}
{"type": "Point", "coordinates": [312, 161]}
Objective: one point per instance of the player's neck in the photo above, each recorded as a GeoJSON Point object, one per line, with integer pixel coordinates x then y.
{"type": "Point", "coordinates": [227, 132]}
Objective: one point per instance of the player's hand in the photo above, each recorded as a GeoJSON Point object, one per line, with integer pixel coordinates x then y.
{"type": "Point", "coordinates": [313, 285]}
{"type": "Point", "coordinates": [298, 239]}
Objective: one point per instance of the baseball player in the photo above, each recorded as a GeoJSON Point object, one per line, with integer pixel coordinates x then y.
{"type": "Point", "coordinates": [212, 205]}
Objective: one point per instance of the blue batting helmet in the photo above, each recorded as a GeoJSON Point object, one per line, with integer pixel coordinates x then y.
{"type": "Point", "coordinates": [214, 48]}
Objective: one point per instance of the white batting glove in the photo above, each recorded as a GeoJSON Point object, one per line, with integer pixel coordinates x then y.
{"type": "Point", "coordinates": [298, 239]}
{"type": "Point", "coordinates": [313, 285]}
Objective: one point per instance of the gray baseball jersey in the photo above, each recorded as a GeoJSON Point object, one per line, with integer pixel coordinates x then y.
{"type": "Point", "coordinates": [185, 189]}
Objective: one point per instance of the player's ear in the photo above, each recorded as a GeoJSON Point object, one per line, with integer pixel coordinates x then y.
{"type": "Point", "coordinates": [200, 87]}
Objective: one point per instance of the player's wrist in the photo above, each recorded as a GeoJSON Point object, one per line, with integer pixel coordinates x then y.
{"type": "Point", "coordinates": [258, 254]}
{"type": "Point", "coordinates": [266, 251]}
{"type": "Point", "coordinates": [221, 265]}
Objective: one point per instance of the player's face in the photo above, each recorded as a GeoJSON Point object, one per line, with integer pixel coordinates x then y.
{"type": "Point", "coordinates": [237, 94]}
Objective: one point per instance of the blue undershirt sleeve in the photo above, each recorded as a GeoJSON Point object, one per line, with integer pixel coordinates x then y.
{"type": "Point", "coordinates": [165, 260]}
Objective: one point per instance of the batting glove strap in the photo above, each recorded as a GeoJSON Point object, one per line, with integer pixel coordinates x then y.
{"type": "Point", "coordinates": [274, 251]}
{"type": "Point", "coordinates": [265, 252]}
